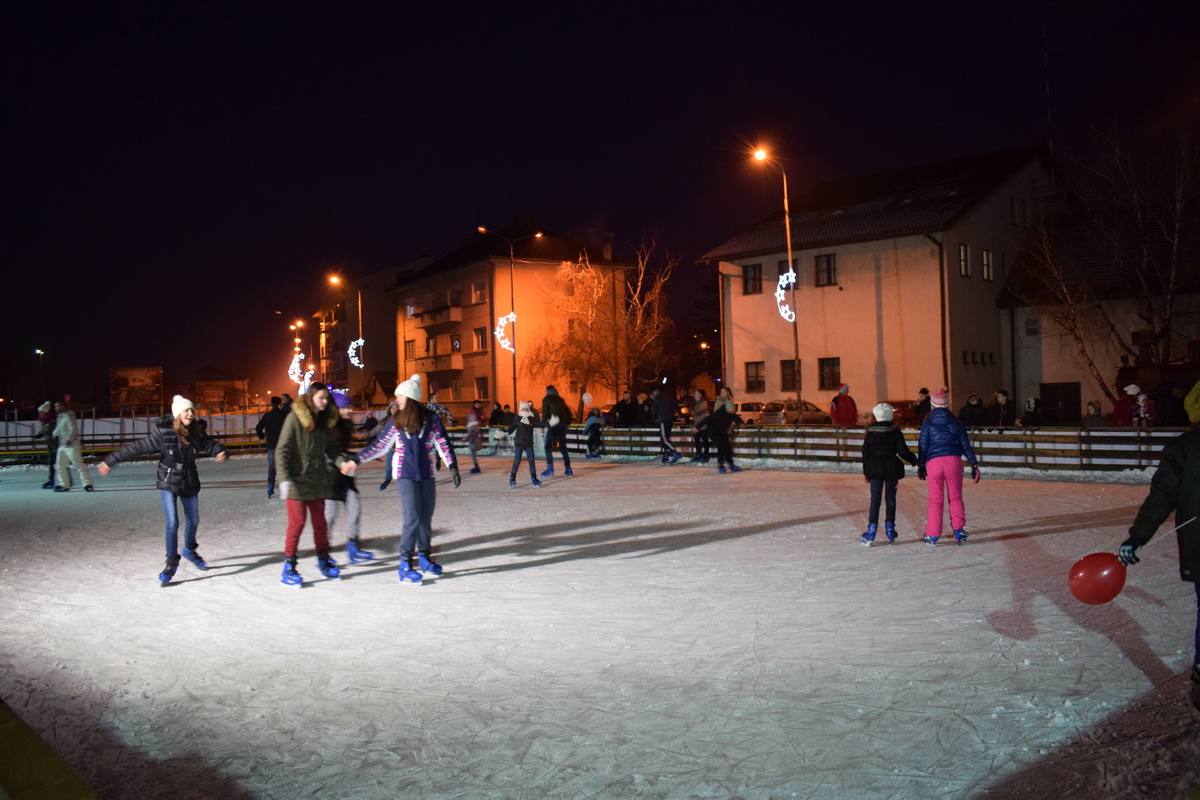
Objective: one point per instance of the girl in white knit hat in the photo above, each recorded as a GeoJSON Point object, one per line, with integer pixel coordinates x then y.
{"type": "Point", "coordinates": [419, 439]}
{"type": "Point", "coordinates": [176, 440]}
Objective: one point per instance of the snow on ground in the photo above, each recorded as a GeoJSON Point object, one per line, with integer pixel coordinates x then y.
{"type": "Point", "coordinates": [637, 631]}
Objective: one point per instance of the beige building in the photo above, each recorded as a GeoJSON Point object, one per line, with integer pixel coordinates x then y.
{"type": "Point", "coordinates": [453, 323]}
{"type": "Point", "coordinates": [898, 279]}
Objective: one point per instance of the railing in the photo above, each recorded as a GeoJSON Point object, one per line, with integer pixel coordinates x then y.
{"type": "Point", "coordinates": [1043, 448]}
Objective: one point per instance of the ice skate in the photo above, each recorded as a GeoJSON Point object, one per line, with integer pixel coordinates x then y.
{"type": "Point", "coordinates": [475, 470]}
{"type": "Point", "coordinates": [406, 572]}
{"type": "Point", "coordinates": [721, 469]}
{"type": "Point", "coordinates": [548, 472]}
{"type": "Point", "coordinates": [168, 571]}
{"type": "Point", "coordinates": [290, 576]}
{"type": "Point", "coordinates": [733, 468]}
{"type": "Point", "coordinates": [327, 566]}
{"type": "Point", "coordinates": [869, 536]}
{"type": "Point", "coordinates": [931, 540]}
{"type": "Point", "coordinates": [426, 566]}
{"type": "Point", "coordinates": [960, 535]}
{"type": "Point", "coordinates": [191, 555]}
{"type": "Point", "coordinates": [567, 471]}
{"type": "Point", "coordinates": [536, 482]}
{"type": "Point", "coordinates": [356, 554]}
{"type": "Point", "coordinates": [675, 457]}
{"type": "Point", "coordinates": [889, 530]}
{"type": "Point", "coordinates": [512, 483]}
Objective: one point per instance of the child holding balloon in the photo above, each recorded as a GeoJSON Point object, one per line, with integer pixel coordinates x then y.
{"type": "Point", "coordinates": [1175, 487]}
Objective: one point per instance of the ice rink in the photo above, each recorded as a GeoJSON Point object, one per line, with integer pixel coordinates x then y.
{"type": "Point", "coordinates": [636, 631]}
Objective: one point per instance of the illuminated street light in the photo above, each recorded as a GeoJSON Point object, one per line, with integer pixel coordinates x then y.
{"type": "Point", "coordinates": [41, 354]}
{"type": "Point", "coordinates": [788, 279]}
{"type": "Point", "coordinates": [356, 347]}
{"type": "Point", "coordinates": [508, 340]}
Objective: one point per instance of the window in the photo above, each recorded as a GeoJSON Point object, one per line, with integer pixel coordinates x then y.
{"type": "Point", "coordinates": [431, 345]}
{"type": "Point", "coordinates": [455, 343]}
{"type": "Point", "coordinates": [752, 279]}
{"type": "Point", "coordinates": [410, 349]}
{"type": "Point", "coordinates": [989, 269]}
{"type": "Point", "coordinates": [756, 378]}
{"type": "Point", "coordinates": [481, 388]}
{"type": "Point", "coordinates": [478, 291]}
{"type": "Point", "coordinates": [455, 296]}
{"type": "Point", "coordinates": [1032, 328]}
{"type": "Point", "coordinates": [455, 389]}
{"type": "Point", "coordinates": [783, 267]}
{"type": "Point", "coordinates": [826, 269]}
{"type": "Point", "coordinates": [831, 373]}
{"type": "Point", "coordinates": [964, 260]}
{"type": "Point", "coordinates": [481, 338]}
{"type": "Point", "coordinates": [787, 375]}
{"type": "Point", "coordinates": [410, 307]}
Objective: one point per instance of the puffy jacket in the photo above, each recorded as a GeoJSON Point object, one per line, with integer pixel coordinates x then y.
{"type": "Point", "coordinates": [177, 472]}
{"type": "Point", "coordinates": [66, 430]}
{"type": "Point", "coordinates": [304, 445]}
{"type": "Point", "coordinates": [883, 448]}
{"type": "Point", "coordinates": [416, 453]}
{"type": "Point", "coordinates": [554, 406]}
{"type": "Point", "coordinates": [1174, 489]}
{"type": "Point", "coordinates": [523, 428]}
{"type": "Point", "coordinates": [943, 435]}
{"type": "Point", "coordinates": [661, 411]}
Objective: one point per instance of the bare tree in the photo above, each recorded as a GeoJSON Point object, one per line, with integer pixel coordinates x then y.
{"type": "Point", "coordinates": [615, 324]}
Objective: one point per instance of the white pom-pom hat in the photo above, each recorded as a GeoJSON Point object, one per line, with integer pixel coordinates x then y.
{"type": "Point", "coordinates": [411, 388]}
{"type": "Point", "coordinates": [180, 404]}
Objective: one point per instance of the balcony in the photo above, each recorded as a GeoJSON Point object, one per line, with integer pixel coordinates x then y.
{"type": "Point", "coordinates": [440, 320]}
{"type": "Point", "coordinates": [450, 362]}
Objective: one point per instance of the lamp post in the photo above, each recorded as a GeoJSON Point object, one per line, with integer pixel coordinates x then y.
{"type": "Point", "coordinates": [788, 278]}
{"type": "Point", "coordinates": [41, 354]}
{"type": "Point", "coordinates": [510, 342]}
{"type": "Point", "coordinates": [359, 344]}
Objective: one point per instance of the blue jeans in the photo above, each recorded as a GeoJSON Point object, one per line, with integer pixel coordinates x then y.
{"type": "Point", "coordinates": [417, 500]}
{"type": "Point", "coordinates": [191, 511]}
{"type": "Point", "coordinates": [518, 454]}
{"type": "Point", "coordinates": [557, 435]}
{"type": "Point", "coordinates": [877, 492]}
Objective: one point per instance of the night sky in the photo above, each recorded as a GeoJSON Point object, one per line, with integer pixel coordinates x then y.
{"type": "Point", "coordinates": [174, 173]}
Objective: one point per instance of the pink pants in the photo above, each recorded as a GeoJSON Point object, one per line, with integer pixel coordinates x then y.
{"type": "Point", "coordinates": [944, 475]}
{"type": "Point", "coordinates": [296, 512]}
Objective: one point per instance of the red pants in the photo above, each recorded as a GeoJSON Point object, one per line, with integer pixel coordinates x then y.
{"type": "Point", "coordinates": [944, 475]}
{"type": "Point", "coordinates": [297, 510]}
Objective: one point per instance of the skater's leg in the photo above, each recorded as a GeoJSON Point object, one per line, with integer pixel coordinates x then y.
{"type": "Point", "coordinates": [889, 500]}
{"type": "Point", "coordinates": [64, 467]}
{"type": "Point", "coordinates": [85, 475]}
{"type": "Point", "coordinates": [410, 508]}
{"type": "Point", "coordinates": [518, 452]}
{"type": "Point", "coordinates": [876, 498]}
{"type": "Point", "coordinates": [427, 502]}
{"type": "Point", "coordinates": [191, 513]}
{"type": "Point", "coordinates": [532, 462]}
{"type": "Point", "coordinates": [549, 448]}
{"type": "Point", "coordinates": [171, 513]}
{"type": "Point", "coordinates": [271, 466]}
{"type": "Point", "coordinates": [316, 512]}
{"type": "Point", "coordinates": [353, 515]}
{"type": "Point", "coordinates": [936, 483]}
{"type": "Point", "coordinates": [295, 524]}
{"type": "Point", "coordinates": [954, 488]}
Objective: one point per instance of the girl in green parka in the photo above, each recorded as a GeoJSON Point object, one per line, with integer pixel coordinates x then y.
{"type": "Point", "coordinates": [308, 438]}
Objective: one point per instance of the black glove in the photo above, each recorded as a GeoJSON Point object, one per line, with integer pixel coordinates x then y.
{"type": "Point", "coordinates": [1127, 552]}
{"type": "Point", "coordinates": [454, 476]}
{"type": "Point", "coordinates": [921, 473]}
{"type": "Point", "coordinates": [975, 474]}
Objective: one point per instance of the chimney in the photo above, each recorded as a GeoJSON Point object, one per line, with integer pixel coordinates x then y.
{"type": "Point", "coordinates": [606, 247]}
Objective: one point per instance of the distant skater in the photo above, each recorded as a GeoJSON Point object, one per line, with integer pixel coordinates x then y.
{"type": "Point", "coordinates": [940, 452]}
{"type": "Point", "coordinates": [176, 439]}
{"type": "Point", "coordinates": [520, 433]}
{"type": "Point", "coordinates": [268, 429]}
{"type": "Point", "coordinates": [70, 454]}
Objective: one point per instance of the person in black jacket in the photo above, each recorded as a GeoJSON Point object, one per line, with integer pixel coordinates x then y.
{"type": "Point", "coordinates": [661, 416]}
{"type": "Point", "coordinates": [973, 414]}
{"type": "Point", "coordinates": [1174, 489]}
{"type": "Point", "coordinates": [1001, 413]}
{"type": "Point", "coordinates": [626, 411]}
{"type": "Point", "coordinates": [176, 439]}
{"type": "Point", "coordinates": [883, 449]}
{"type": "Point", "coordinates": [521, 433]}
{"type": "Point", "coordinates": [557, 415]}
{"type": "Point", "coordinates": [268, 429]}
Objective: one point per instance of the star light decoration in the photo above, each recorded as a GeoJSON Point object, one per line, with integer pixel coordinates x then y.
{"type": "Point", "coordinates": [353, 352]}
{"type": "Point", "coordinates": [786, 281]}
{"type": "Point", "coordinates": [305, 380]}
{"type": "Point", "coordinates": [501, 337]}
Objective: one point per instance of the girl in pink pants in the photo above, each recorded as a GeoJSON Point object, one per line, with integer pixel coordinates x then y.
{"type": "Point", "coordinates": [940, 452]}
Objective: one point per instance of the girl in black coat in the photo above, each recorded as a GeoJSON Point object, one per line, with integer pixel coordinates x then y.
{"type": "Point", "coordinates": [883, 449]}
{"type": "Point", "coordinates": [176, 439]}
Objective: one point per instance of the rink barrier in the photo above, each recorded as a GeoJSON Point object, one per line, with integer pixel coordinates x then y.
{"type": "Point", "coordinates": [30, 769]}
{"type": "Point", "coordinates": [1040, 448]}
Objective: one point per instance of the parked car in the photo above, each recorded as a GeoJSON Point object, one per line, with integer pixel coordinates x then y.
{"type": "Point", "coordinates": [749, 411]}
{"type": "Point", "coordinates": [789, 412]}
{"type": "Point", "coordinates": [811, 414]}
{"type": "Point", "coordinates": [904, 412]}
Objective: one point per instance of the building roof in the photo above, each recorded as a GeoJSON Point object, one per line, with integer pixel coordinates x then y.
{"type": "Point", "coordinates": [551, 247]}
{"type": "Point", "coordinates": [885, 205]}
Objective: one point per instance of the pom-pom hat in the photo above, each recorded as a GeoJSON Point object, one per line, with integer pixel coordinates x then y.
{"type": "Point", "coordinates": [410, 388]}
{"type": "Point", "coordinates": [940, 398]}
{"type": "Point", "coordinates": [180, 404]}
{"type": "Point", "coordinates": [1133, 389]}
{"type": "Point", "coordinates": [883, 412]}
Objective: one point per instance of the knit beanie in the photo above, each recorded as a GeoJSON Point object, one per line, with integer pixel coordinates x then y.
{"type": "Point", "coordinates": [940, 398]}
{"type": "Point", "coordinates": [1133, 389]}
{"type": "Point", "coordinates": [44, 408]}
{"type": "Point", "coordinates": [410, 388]}
{"type": "Point", "coordinates": [883, 412]}
{"type": "Point", "coordinates": [845, 387]}
{"type": "Point", "coordinates": [341, 398]}
{"type": "Point", "coordinates": [179, 404]}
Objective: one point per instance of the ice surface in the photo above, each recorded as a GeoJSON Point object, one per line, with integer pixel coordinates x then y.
{"type": "Point", "coordinates": [637, 631]}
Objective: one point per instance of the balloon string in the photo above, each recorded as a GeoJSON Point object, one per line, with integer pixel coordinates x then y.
{"type": "Point", "coordinates": [1168, 533]}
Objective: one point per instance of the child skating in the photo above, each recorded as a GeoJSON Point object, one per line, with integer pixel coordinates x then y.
{"type": "Point", "coordinates": [521, 435]}
{"type": "Point", "coordinates": [940, 452]}
{"type": "Point", "coordinates": [883, 455]}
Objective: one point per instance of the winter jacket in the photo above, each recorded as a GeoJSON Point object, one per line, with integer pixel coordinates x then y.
{"type": "Point", "coordinates": [66, 430]}
{"type": "Point", "coordinates": [415, 454]}
{"type": "Point", "coordinates": [270, 425]}
{"type": "Point", "coordinates": [47, 420]}
{"type": "Point", "coordinates": [524, 430]}
{"type": "Point", "coordinates": [626, 412]}
{"type": "Point", "coordinates": [883, 448]}
{"type": "Point", "coordinates": [943, 435]}
{"type": "Point", "coordinates": [660, 410]}
{"type": "Point", "coordinates": [972, 414]}
{"type": "Point", "coordinates": [441, 411]}
{"type": "Point", "coordinates": [843, 411]}
{"type": "Point", "coordinates": [721, 420]}
{"type": "Point", "coordinates": [1123, 411]}
{"type": "Point", "coordinates": [1191, 403]}
{"type": "Point", "coordinates": [304, 445]}
{"type": "Point", "coordinates": [177, 471]}
{"type": "Point", "coordinates": [1002, 415]}
{"type": "Point", "coordinates": [699, 412]}
{"type": "Point", "coordinates": [554, 406]}
{"type": "Point", "coordinates": [1174, 488]}
{"type": "Point", "coordinates": [340, 484]}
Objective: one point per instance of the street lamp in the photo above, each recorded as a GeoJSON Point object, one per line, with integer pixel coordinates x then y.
{"type": "Point", "coordinates": [509, 342]}
{"type": "Point", "coordinates": [42, 369]}
{"type": "Point", "coordinates": [788, 279]}
{"type": "Point", "coordinates": [354, 353]}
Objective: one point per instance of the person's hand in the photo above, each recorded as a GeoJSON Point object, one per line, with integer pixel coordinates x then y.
{"type": "Point", "coordinates": [285, 489]}
{"type": "Point", "coordinates": [104, 469]}
{"type": "Point", "coordinates": [1127, 552]}
{"type": "Point", "coordinates": [866, 479]}
{"type": "Point", "coordinates": [221, 456]}
{"type": "Point", "coordinates": [921, 473]}
{"type": "Point", "coordinates": [349, 467]}
{"type": "Point", "coordinates": [975, 474]}
{"type": "Point", "coordinates": [454, 476]}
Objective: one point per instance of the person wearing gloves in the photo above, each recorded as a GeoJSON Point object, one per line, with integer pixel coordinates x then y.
{"type": "Point", "coordinates": [46, 419]}
{"type": "Point", "coordinates": [884, 453]}
{"type": "Point", "coordinates": [843, 411]}
{"type": "Point", "coordinates": [940, 451]}
{"type": "Point", "coordinates": [343, 493]}
{"type": "Point", "coordinates": [66, 431]}
{"type": "Point", "coordinates": [557, 415]}
{"type": "Point", "coordinates": [176, 440]}
{"type": "Point", "coordinates": [521, 433]}
{"type": "Point", "coordinates": [419, 439]}
{"type": "Point", "coordinates": [308, 438]}
{"type": "Point", "coordinates": [1174, 488]}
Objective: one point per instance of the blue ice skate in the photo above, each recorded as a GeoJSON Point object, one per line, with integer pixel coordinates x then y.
{"type": "Point", "coordinates": [168, 571]}
{"type": "Point", "coordinates": [960, 535]}
{"type": "Point", "coordinates": [290, 576]}
{"type": "Point", "coordinates": [427, 566]}
{"type": "Point", "coordinates": [356, 554]}
{"type": "Point", "coordinates": [889, 530]}
{"type": "Point", "coordinates": [869, 536]}
{"type": "Point", "coordinates": [931, 540]}
{"type": "Point", "coordinates": [191, 555]}
{"type": "Point", "coordinates": [536, 482]}
{"type": "Point", "coordinates": [327, 566]}
{"type": "Point", "coordinates": [406, 572]}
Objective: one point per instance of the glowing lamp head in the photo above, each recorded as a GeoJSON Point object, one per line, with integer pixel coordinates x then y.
{"type": "Point", "coordinates": [335, 280]}
{"type": "Point", "coordinates": [760, 154]}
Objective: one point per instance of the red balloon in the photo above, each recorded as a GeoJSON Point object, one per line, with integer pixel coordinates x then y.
{"type": "Point", "coordinates": [1097, 579]}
